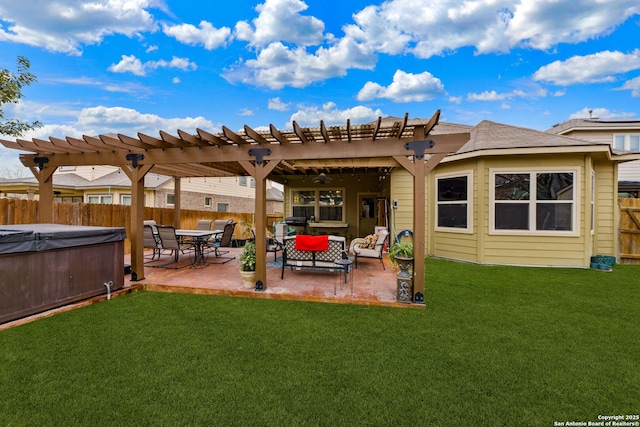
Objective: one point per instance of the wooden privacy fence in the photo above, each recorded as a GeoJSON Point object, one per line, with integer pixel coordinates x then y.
{"type": "Point", "coordinates": [15, 211]}
{"type": "Point", "coordinates": [629, 231]}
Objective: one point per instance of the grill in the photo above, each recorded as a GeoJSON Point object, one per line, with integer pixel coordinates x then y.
{"type": "Point", "coordinates": [297, 221]}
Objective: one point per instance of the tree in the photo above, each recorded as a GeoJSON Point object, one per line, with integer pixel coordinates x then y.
{"type": "Point", "coordinates": [11, 92]}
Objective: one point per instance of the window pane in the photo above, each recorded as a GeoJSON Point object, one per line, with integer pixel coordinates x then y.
{"type": "Point", "coordinates": [93, 199]}
{"type": "Point", "coordinates": [512, 216]}
{"type": "Point", "coordinates": [452, 215]}
{"type": "Point", "coordinates": [330, 205]}
{"type": "Point", "coordinates": [452, 188]}
{"type": "Point", "coordinates": [553, 216]}
{"type": "Point", "coordinates": [243, 181]}
{"type": "Point", "coordinates": [304, 198]}
{"type": "Point", "coordinates": [634, 143]}
{"type": "Point", "coordinates": [618, 142]}
{"type": "Point", "coordinates": [223, 207]}
{"type": "Point", "coordinates": [170, 199]}
{"type": "Point", "coordinates": [305, 211]}
{"type": "Point", "coordinates": [512, 186]}
{"type": "Point", "coordinates": [554, 186]}
{"type": "Point", "coordinates": [330, 213]}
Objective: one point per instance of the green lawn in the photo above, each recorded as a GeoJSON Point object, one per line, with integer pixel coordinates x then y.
{"type": "Point", "coordinates": [494, 346]}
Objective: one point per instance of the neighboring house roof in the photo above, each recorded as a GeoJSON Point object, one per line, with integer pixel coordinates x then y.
{"type": "Point", "coordinates": [488, 135]}
{"type": "Point", "coordinates": [594, 124]}
{"type": "Point", "coordinates": [73, 181]}
{"type": "Point", "coordinates": [275, 194]}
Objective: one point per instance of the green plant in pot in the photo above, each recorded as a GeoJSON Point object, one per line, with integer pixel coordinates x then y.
{"type": "Point", "coordinates": [400, 251]}
{"type": "Point", "coordinates": [248, 265]}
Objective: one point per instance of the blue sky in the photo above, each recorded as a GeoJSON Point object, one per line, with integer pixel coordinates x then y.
{"type": "Point", "coordinates": [129, 66]}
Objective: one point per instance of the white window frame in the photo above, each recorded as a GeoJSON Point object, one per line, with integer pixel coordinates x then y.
{"type": "Point", "coordinates": [575, 202]}
{"type": "Point", "coordinates": [469, 228]}
{"type": "Point", "coordinates": [167, 199]}
{"type": "Point", "coordinates": [627, 141]}
{"type": "Point", "coordinates": [242, 181]}
{"type": "Point", "coordinates": [123, 197]}
{"type": "Point", "coordinates": [226, 207]}
{"type": "Point", "coordinates": [316, 206]}
{"type": "Point", "coordinates": [208, 201]}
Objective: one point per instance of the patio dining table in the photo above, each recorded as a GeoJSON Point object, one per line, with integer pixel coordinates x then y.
{"type": "Point", "coordinates": [199, 239]}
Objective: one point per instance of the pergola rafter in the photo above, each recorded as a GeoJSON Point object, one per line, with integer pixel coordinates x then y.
{"type": "Point", "coordinates": [380, 146]}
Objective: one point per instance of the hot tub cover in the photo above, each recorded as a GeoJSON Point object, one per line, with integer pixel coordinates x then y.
{"type": "Point", "coordinates": [43, 237]}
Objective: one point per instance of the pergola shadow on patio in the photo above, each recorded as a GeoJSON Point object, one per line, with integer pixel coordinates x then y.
{"type": "Point", "coordinates": [371, 284]}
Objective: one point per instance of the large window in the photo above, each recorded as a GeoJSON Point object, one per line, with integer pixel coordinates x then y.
{"type": "Point", "coordinates": [322, 205]}
{"type": "Point", "coordinates": [453, 202]}
{"type": "Point", "coordinates": [533, 202]}
{"type": "Point", "coordinates": [102, 199]}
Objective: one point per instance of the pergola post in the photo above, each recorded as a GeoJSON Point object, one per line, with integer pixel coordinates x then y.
{"type": "Point", "coordinates": [44, 175]}
{"type": "Point", "coordinates": [259, 172]}
{"type": "Point", "coordinates": [177, 201]}
{"type": "Point", "coordinates": [419, 219]}
{"type": "Point", "coordinates": [136, 227]}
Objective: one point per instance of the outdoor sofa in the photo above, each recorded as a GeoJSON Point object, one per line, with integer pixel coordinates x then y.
{"type": "Point", "coordinates": [294, 257]}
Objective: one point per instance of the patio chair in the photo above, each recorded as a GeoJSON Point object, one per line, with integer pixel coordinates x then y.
{"type": "Point", "coordinates": [224, 242]}
{"type": "Point", "coordinates": [169, 241]}
{"type": "Point", "coordinates": [366, 248]}
{"type": "Point", "coordinates": [276, 243]}
{"type": "Point", "coordinates": [204, 224]}
{"type": "Point", "coordinates": [151, 241]}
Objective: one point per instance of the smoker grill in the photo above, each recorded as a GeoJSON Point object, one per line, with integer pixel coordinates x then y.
{"type": "Point", "coordinates": [297, 221]}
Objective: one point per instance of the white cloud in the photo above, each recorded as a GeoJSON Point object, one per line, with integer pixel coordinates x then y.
{"type": "Point", "coordinates": [131, 64]}
{"type": "Point", "coordinates": [278, 66]}
{"type": "Point", "coordinates": [405, 87]}
{"type": "Point", "coordinates": [129, 122]}
{"type": "Point", "coordinates": [495, 96]}
{"type": "Point", "coordinates": [598, 67]}
{"type": "Point", "coordinates": [601, 113]}
{"type": "Point", "coordinates": [436, 28]}
{"type": "Point", "coordinates": [311, 116]}
{"type": "Point", "coordinates": [68, 25]}
{"type": "Point", "coordinates": [280, 20]}
{"type": "Point", "coordinates": [633, 85]}
{"type": "Point", "coordinates": [128, 64]}
{"type": "Point", "coordinates": [175, 80]}
{"type": "Point", "coordinates": [455, 99]}
{"type": "Point", "coordinates": [206, 35]}
{"type": "Point", "coordinates": [103, 120]}
{"type": "Point", "coordinates": [246, 112]}
{"type": "Point", "coordinates": [278, 105]}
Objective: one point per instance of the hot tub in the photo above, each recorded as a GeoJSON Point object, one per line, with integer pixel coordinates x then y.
{"type": "Point", "coordinates": [44, 266]}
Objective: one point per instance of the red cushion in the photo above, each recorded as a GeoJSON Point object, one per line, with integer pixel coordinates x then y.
{"type": "Point", "coordinates": [311, 243]}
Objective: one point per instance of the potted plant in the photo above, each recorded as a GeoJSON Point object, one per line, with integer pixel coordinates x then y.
{"type": "Point", "coordinates": [248, 265]}
{"type": "Point", "coordinates": [400, 252]}
{"type": "Point", "coordinates": [401, 256]}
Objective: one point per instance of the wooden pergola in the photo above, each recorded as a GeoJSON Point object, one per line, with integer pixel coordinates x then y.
{"type": "Point", "coordinates": [274, 154]}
